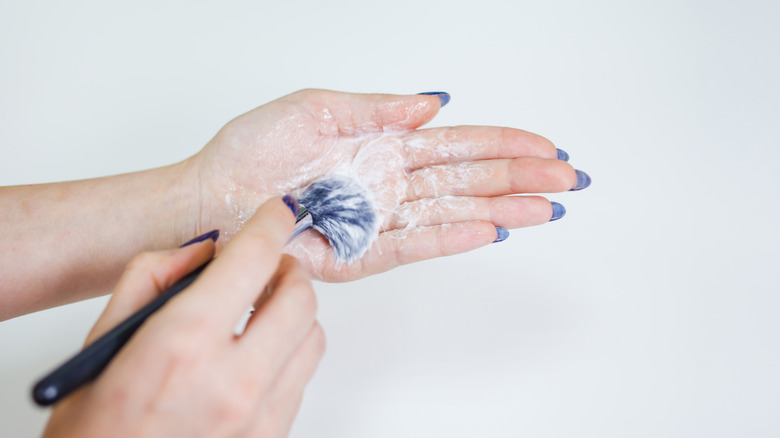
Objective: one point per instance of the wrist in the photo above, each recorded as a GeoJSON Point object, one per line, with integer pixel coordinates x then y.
{"type": "Point", "coordinates": [184, 201]}
{"type": "Point", "coordinates": [220, 195]}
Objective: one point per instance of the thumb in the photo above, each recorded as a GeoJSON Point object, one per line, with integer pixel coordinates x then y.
{"type": "Point", "coordinates": [148, 275]}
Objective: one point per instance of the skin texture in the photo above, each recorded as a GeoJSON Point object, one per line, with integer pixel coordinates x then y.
{"type": "Point", "coordinates": [439, 191]}
{"type": "Point", "coordinates": [184, 373]}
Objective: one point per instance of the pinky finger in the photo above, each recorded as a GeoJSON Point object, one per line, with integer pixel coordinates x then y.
{"type": "Point", "coordinates": [397, 247]}
{"type": "Point", "coordinates": [409, 245]}
{"type": "Point", "coordinates": [279, 408]}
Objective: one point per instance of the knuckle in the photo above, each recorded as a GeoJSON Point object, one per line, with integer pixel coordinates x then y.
{"type": "Point", "coordinates": [440, 237]}
{"type": "Point", "coordinates": [305, 92]}
{"type": "Point", "coordinates": [267, 416]}
{"type": "Point", "coordinates": [261, 240]}
{"type": "Point", "coordinates": [318, 340]}
{"type": "Point", "coordinates": [293, 268]}
{"type": "Point", "coordinates": [258, 245]}
{"type": "Point", "coordinates": [180, 348]}
{"type": "Point", "coordinates": [190, 325]}
{"type": "Point", "coordinates": [403, 249]}
{"type": "Point", "coordinates": [453, 134]}
{"type": "Point", "coordinates": [235, 404]}
{"type": "Point", "coordinates": [301, 299]}
{"type": "Point", "coordinates": [534, 142]}
{"type": "Point", "coordinates": [552, 175]}
{"type": "Point", "coordinates": [542, 144]}
{"type": "Point", "coordinates": [287, 263]}
{"type": "Point", "coordinates": [508, 136]}
{"type": "Point", "coordinates": [546, 145]}
{"type": "Point", "coordinates": [566, 177]}
{"type": "Point", "coordinates": [144, 261]}
{"type": "Point", "coordinates": [308, 94]}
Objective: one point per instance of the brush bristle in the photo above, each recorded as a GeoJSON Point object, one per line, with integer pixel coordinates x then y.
{"type": "Point", "coordinates": [342, 211]}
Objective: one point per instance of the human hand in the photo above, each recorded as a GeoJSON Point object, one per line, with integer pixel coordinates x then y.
{"type": "Point", "coordinates": [184, 373]}
{"type": "Point", "coordinates": [439, 191]}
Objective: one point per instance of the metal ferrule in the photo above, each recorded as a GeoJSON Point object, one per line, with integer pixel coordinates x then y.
{"type": "Point", "coordinates": [302, 223]}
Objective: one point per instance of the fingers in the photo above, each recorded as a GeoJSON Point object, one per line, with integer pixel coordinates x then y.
{"type": "Point", "coordinates": [504, 211]}
{"type": "Point", "coordinates": [429, 147]}
{"type": "Point", "coordinates": [283, 321]}
{"type": "Point", "coordinates": [301, 366]}
{"type": "Point", "coordinates": [147, 275]}
{"type": "Point", "coordinates": [235, 279]}
{"type": "Point", "coordinates": [287, 392]}
{"type": "Point", "coordinates": [349, 113]}
{"type": "Point", "coordinates": [492, 178]}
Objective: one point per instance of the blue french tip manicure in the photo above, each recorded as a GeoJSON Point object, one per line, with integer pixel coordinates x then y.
{"type": "Point", "coordinates": [583, 181]}
{"type": "Point", "coordinates": [503, 233]}
{"type": "Point", "coordinates": [292, 203]}
{"type": "Point", "coordinates": [562, 155]}
{"type": "Point", "coordinates": [444, 97]}
{"type": "Point", "coordinates": [558, 211]}
{"type": "Point", "coordinates": [213, 235]}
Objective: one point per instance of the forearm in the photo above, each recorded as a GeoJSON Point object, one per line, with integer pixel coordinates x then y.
{"type": "Point", "coordinates": [69, 241]}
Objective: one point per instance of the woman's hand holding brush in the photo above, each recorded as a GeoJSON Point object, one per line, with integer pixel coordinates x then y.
{"type": "Point", "coordinates": [184, 373]}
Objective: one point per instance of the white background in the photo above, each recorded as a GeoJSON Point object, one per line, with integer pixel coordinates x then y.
{"type": "Point", "coordinates": [651, 309]}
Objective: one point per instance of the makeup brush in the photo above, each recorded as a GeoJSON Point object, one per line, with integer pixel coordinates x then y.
{"type": "Point", "coordinates": [341, 210]}
{"type": "Point", "coordinates": [338, 207]}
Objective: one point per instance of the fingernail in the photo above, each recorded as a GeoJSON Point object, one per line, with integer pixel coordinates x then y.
{"type": "Point", "coordinates": [213, 235]}
{"type": "Point", "coordinates": [583, 180]}
{"type": "Point", "coordinates": [503, 233]}
{"type": "Point", "coordinates": [292, 203]}
{"type": "Point", "coordinates": [562, 155]}
{"type": "Point", "coordinates": [444, 97]}
{"type": "Point", "coordinates": [558, 211]}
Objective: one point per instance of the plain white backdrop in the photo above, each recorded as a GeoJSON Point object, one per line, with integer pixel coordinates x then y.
{"type": "Point", "coordinates": [651, 309]}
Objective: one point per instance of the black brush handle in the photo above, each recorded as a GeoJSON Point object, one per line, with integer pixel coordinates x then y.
{"type": "Point", "coordinates": [90, 362]}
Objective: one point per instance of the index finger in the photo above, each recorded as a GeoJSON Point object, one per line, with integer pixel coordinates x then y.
{"type": "Point", "coordinates": [234, 280]}
{"type": "Point", "coordinates": [352, 113]}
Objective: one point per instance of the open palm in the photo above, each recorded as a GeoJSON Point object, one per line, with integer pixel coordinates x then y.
{"type": "Point", "coordinates": [439, 191]}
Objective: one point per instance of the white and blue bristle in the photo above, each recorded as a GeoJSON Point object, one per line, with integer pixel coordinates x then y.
{"type": "Point", "coordinates": [341, 210]}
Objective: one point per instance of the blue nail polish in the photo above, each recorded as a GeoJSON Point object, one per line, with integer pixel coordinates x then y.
{"type": "Point", "coordinates": [444, 97]}
{"type": "Point", "coordinates": [583, 181]}
{"type": "Point", "coordinates": [213, 235]}
{"type": "Point", "coordinates": [503, 233]}
{"type": "Point", "coordinates": [558, 211]}
{"type": "Point", "coordinates": [291, 202]}
{"type": "Point", "coordinates": [562, 155]}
